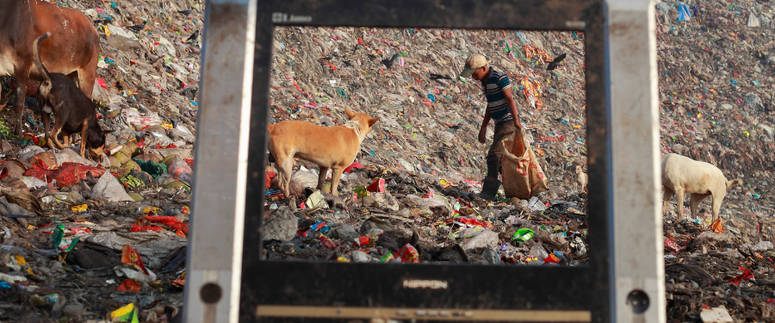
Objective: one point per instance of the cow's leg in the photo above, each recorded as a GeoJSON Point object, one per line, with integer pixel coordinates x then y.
{"type": "Point", "coordinates": [21, 77]}
{"type": "Point", "coordinates": [666, 199]}
{"type": "Point", "coordinates": [87, 76]}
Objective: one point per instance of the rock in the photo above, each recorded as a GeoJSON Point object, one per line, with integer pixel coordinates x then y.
{"type": "Point", "coordinates": [343, 231]}
{"type": "Point", "coordinates": [108, 188]}
{"type": "Point", "coordinates": [486, 255]}
{"type": "Point", "coordinates": [90, 259]}
{"type": "Point", "coordinates": [280, 225]}
{"type": "Point", "coordinates": [482, 240]}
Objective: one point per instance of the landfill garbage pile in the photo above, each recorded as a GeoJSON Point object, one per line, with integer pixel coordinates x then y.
{"type": "Point", "coordinates": [83, 240]}
{"type": "Point", "coordinates": [105, 241]}
{"type": "Point", "coordinates": [715, 89]}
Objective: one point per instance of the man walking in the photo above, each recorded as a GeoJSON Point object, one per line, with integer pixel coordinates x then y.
{"type": "Point", "coordinates": [500, 108]}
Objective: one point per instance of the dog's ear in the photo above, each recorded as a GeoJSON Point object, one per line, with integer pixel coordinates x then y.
{"type": "Point", "coordinates": [373, 121]}
{"type": "Point", "coordinates": [349, 113]}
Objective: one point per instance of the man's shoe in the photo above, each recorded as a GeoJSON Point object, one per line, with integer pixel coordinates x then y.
{"type": "Point", "coordinates": [490, 188]}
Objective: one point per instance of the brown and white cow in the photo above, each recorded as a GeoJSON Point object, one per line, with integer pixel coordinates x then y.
{"type": "Point", "coordinates": [73, 48]}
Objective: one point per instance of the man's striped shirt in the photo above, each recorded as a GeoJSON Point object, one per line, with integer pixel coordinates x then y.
{"type": "Point", "coordinates": [495, 83]}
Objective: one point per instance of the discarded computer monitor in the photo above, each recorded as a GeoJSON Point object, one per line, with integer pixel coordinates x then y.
{"type": "Point", "coordinates": [280, 290]}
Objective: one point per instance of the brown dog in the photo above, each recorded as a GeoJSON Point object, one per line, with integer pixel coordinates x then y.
{"type": "Point", "coordinates": [684, 175]}
{"type": "Point", "coordinates": [73, 111]}
{"type": "Point", "coordinates": [330, 147]}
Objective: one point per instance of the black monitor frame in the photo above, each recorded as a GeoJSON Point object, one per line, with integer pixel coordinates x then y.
{"type": "Point", "coordinates": [310, 285]}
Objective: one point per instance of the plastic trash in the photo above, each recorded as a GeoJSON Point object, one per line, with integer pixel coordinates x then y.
{"type": "Point", "coordinates": [522, 235]}
{"type": "Point", "coordinates": [746, 275]}
{"type": "Point", "coordinates": [110, 189]}
{"type": "Point", "coordinates": [130, 256]}
{"type": "Point", "coordinates": [762, 246]}
{"type": "Point", "coordinates": [181, 171]}
{"type": "Point", "coordinates": [536, 205]}
{"type": "Point", "coordinates": [683, 12]}
{"type": "Point", "coordinates": [360, 256]}
{"type": "Point", "coordinates": [129, 285]}
{"type": "Point", "coordinates": [538, 251]}
{"type": "Point", "coordinates": [44, 300]}
{"type": "Point", "coordinates": [61, 244]}
{"type": "Point", "coordinates": [377, 186]}
{"type": "Point", "coordinates": [578, 246]}
{"type": "Point", "coordinates": [307, 178]}
{"type": "Point", "coordinates": [127, 313]}
{"type": "Point", "coordinates": [316, 200]}
{"type": "Point", "coordinates": [715, 315]}
{"type": "Point", "coordinates": [12, 279]}
{"type": "Point", "coordinates": [408, 253]}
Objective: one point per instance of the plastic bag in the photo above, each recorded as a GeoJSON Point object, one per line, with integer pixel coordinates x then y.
{"type": "Point", "coordinates": [181, 171]}
{"type": "Point", "coordinates": [305, 177]}
{"type": "Point", "coordinates": [683, 12]}
{"type": "Point", "coordinates": [523, 177]}
{"type": "Point", "coordinates": [538, 251]}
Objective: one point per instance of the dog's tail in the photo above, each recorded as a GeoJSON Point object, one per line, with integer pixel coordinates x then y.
{"type": "Point", "coordinates": [36, 56]}
{"type": "Point", "coordinates": [734, 182]}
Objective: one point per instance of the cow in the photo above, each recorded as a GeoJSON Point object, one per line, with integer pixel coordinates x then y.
{"type": "Point", "coordinates": [73, 49]}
